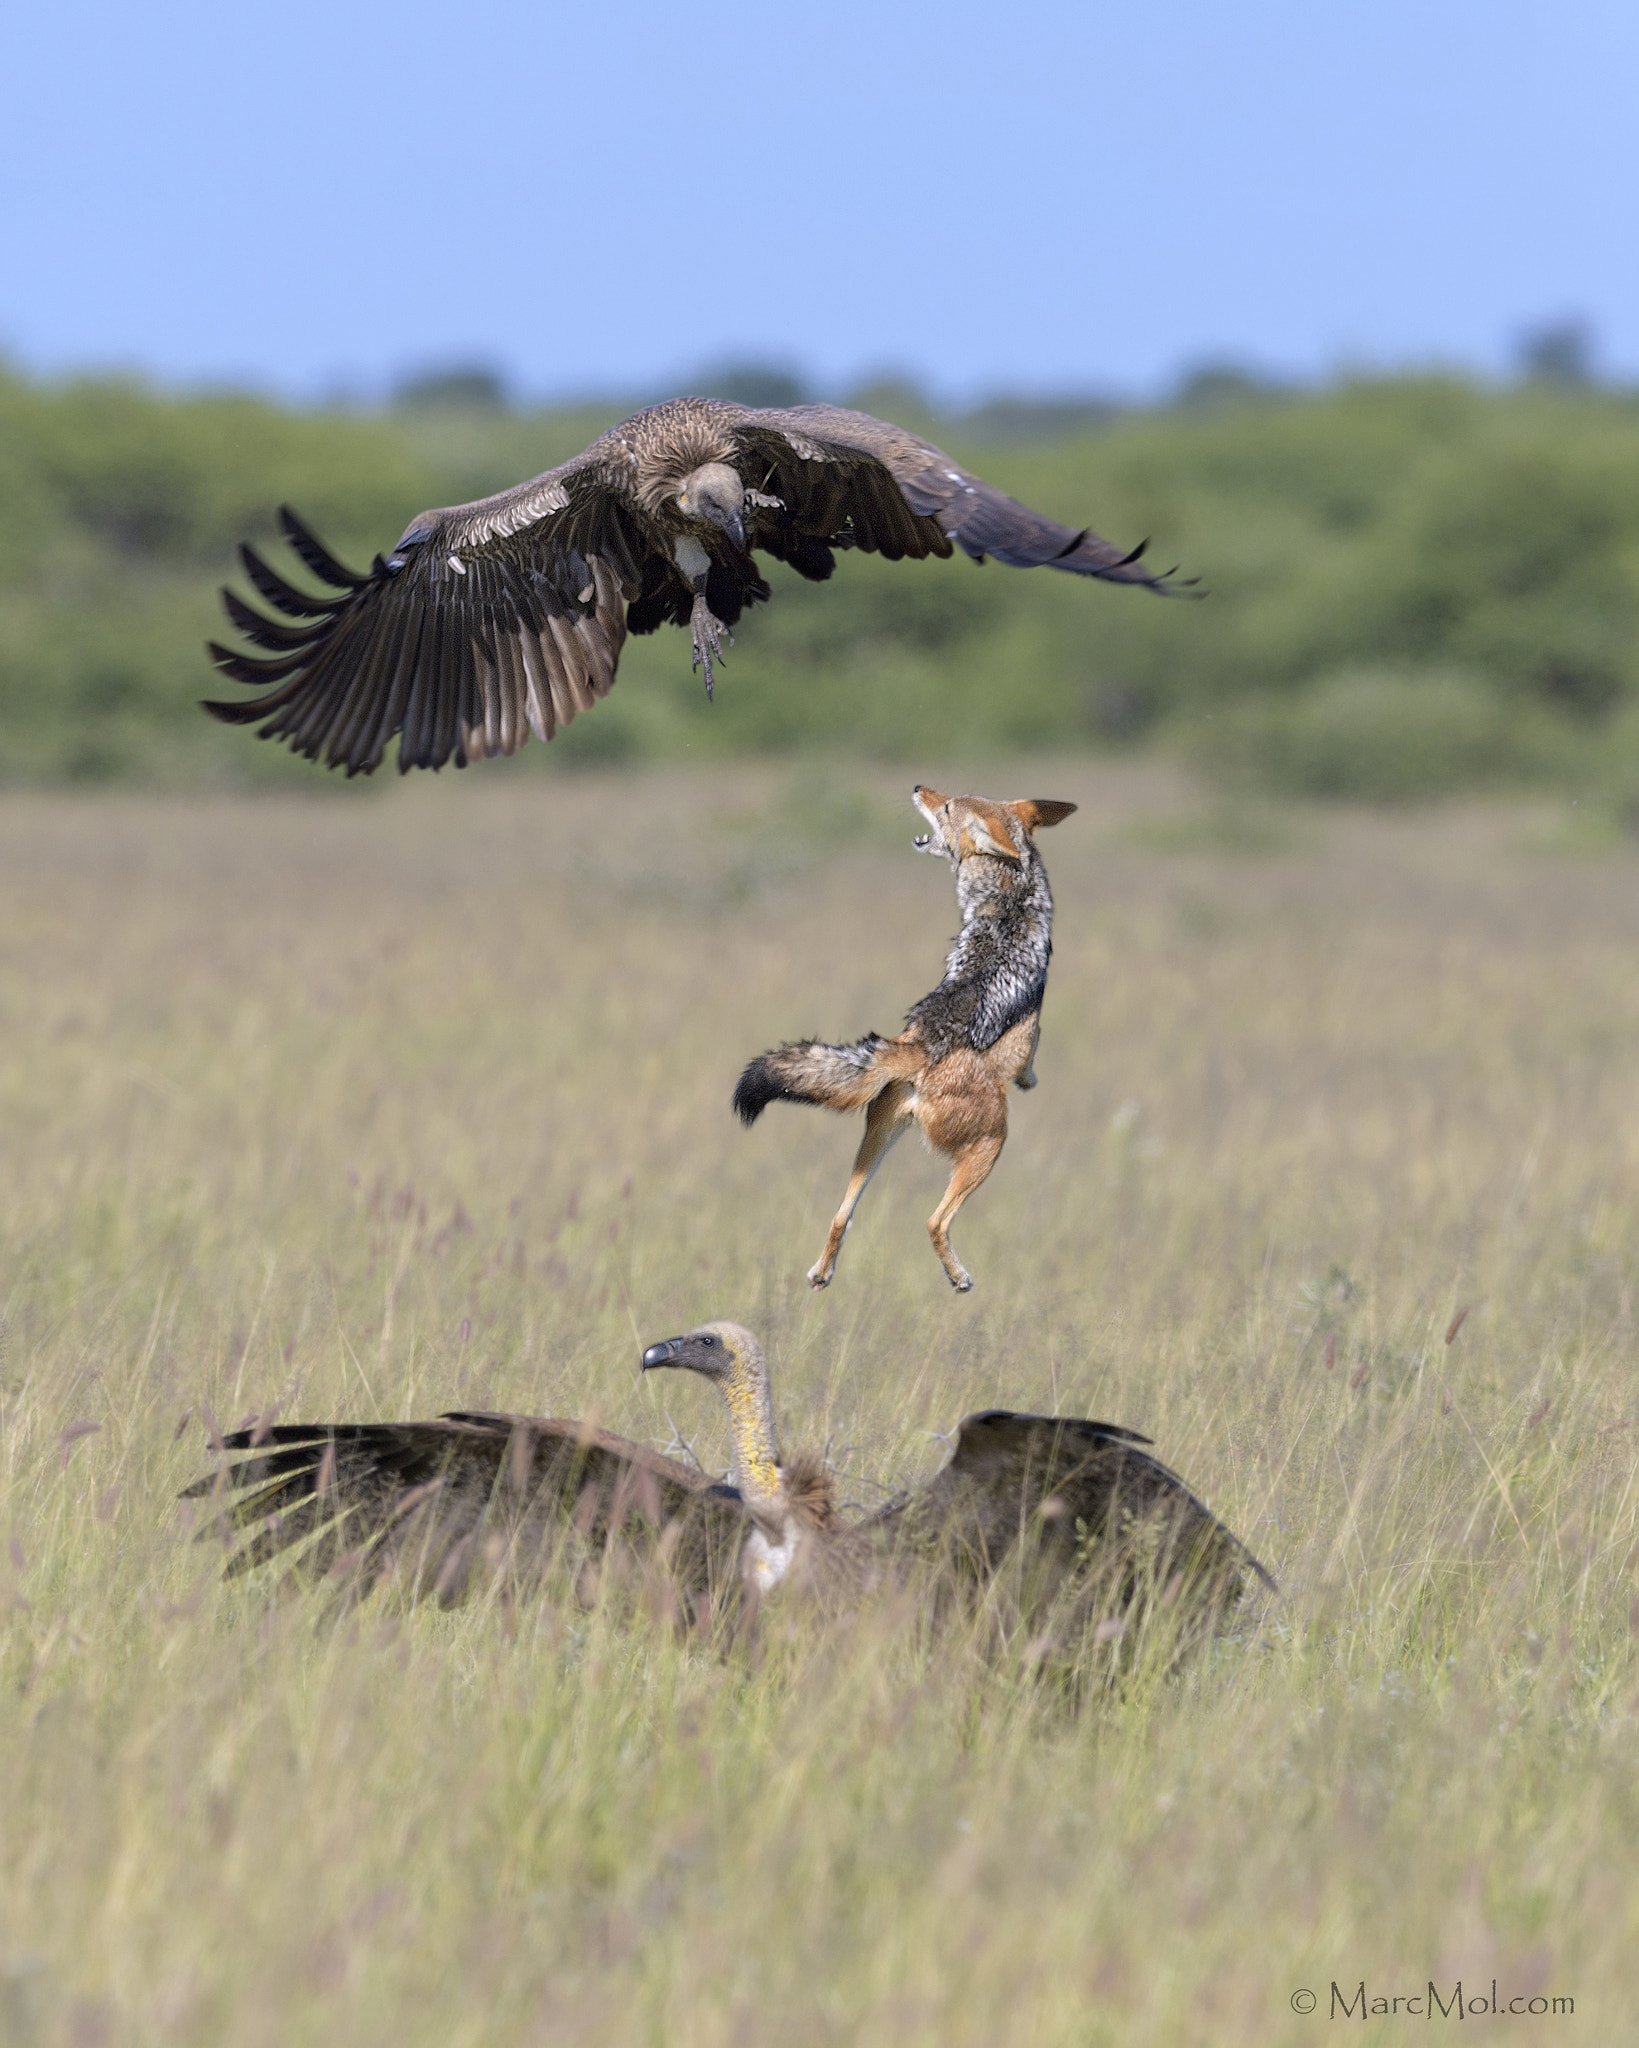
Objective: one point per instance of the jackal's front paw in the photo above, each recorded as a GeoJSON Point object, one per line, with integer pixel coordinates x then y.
{"type": "Point", "coordinates": [819, 1276]}
{"type": "Point", "coordinates": [961, 1280]}
{"type": "Point", "coordinates": [1027, 1080]}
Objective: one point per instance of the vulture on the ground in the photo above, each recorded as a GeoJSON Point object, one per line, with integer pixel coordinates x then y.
{"type": "Point", "coordinates": [495, 620]}
{"type": "Point", "coordinates": [465, 1498]}
{"type": "Point", "coordinates": [1081, 1522]}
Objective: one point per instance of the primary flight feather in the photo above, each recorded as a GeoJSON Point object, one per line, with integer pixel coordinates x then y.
{"type": "Point", "coordinates": [492, 621]}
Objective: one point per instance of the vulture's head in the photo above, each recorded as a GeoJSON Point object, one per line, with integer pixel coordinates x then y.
{"type": "Point", "coordinates": [714, 493]}
{"type": "Point", "coordinates": [732, 1358]}
{"type": "Point", "coordinates": [789, 1505]}
{"type": "Point", "coordinates": [717, 1351]}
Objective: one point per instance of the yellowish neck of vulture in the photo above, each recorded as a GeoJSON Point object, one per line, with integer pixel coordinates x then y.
{"type": "Point", "coordinates": [751, 1427]}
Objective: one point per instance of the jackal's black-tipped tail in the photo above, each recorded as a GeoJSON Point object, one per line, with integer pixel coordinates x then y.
{"type": "Point", "coordinates": [834, 1076]}
{"type": "Point", "coordinates": [757, 1087]}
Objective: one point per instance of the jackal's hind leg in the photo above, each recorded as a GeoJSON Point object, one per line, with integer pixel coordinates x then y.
{"type": "Point", "coordinates": [1027, 1077]}
{"type": "Point", "coordinates": [885, 1120]}
{"type": "Point", "coordinates": [970, 1168]}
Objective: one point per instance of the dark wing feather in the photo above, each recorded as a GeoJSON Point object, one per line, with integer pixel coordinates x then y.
{"type": "Point", "coordinates": [315, 554]}
{"type": "Point", "coordinates": [261, 630]}
{"type": "Point", "coordinates": [487, 623]}
{"type": "Point", "coordinates": [862, 482]}
{"type": "Point", "coordinates": [437, 1501]}
{"type": "Point", "coordinates": [283, 596]}
{"type": "Point", "coordinates": [1087, 1496]}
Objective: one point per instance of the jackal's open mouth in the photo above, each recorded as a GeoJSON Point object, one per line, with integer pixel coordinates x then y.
{"type": "Point", "coordinates": [922, 841]}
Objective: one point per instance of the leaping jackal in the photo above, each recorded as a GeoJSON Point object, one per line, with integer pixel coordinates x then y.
{"type": "Point", "coordinates": [949, 1068]}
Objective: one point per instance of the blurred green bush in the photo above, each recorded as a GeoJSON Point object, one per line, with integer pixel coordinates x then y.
{"type": "Point", "coordinates": [1416, 585]}
{"type": "Point", "coordinates": [1383, 735]}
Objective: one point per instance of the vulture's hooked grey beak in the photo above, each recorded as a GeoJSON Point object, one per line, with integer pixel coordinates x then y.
{"type": "Point", "coordinates": [700, 1351]}
{"type": "Point", "coordinates": [730, 522]}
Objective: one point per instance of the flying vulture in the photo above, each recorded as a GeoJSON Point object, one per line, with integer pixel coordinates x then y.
{"type": "Point", "coordinates": [495, 620]}
{"type": "Point", "coordinates": [1083, 1520]}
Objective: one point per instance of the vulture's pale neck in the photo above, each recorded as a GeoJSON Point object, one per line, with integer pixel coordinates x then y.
{"type": "Point", "coordinates": [751, 1425]}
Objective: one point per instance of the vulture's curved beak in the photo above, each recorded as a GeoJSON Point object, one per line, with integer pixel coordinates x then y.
{"type": "Point", "coordinates": [663, 1353]}
{"type": "Point", "coordinates": [730, 522]}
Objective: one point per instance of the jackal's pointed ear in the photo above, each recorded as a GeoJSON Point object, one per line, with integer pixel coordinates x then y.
{"type": "Point", "coordinates": [1033, 812]}
{"type": "Point", "coordinates": [977, 837]}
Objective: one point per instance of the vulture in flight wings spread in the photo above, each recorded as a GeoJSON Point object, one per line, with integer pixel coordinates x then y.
{"type": "Point", "coordinates": [502, 618]}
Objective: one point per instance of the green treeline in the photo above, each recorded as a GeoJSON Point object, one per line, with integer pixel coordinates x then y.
{"type": "Point", "coordinates": [1415, 585]}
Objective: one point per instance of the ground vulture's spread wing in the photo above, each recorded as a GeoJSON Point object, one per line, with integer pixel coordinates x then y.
{"type": "Point", "coordinates": [854, 481]}
{"type": "Point", "coordinates": [1087, 1494]}
{"type": "Point", "coordinates": [488, 622]}
{"type": "Point", "coordinates": [442, 1501]}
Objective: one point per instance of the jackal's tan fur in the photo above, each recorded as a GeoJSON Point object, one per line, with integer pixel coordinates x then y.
{"type": "Point", "coordinates": [948, 1070]}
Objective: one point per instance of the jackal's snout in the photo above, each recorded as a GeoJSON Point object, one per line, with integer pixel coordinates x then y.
{"type": "Point", "coordinates": [929, 802]}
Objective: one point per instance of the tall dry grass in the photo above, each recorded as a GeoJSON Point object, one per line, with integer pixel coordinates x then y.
{"type": "Point", "coordinates": [382, 1107]}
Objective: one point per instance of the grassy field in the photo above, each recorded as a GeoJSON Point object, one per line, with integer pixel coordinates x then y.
{"type": "Point", "coordinates": [380, 1106]}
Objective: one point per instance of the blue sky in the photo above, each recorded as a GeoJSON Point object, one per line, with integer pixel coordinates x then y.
{"type": "Point", "coordinates": [310, 197]}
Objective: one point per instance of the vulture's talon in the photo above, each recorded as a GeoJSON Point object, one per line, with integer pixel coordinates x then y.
{"type": "Point", "coordinates": [709, 633]}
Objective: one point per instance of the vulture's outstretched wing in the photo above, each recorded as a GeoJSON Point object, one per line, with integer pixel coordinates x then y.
{"type": "Point", "coordinates": [1088, 1498]}
{"type": "Point", "coordinates": [438, 1503]}
{"type": "Point", "coordinates": [488, 622]}
{"type": "Point", "coordinates": [855, 481]}
{"type": "Point", "coordinates": [492, 621]}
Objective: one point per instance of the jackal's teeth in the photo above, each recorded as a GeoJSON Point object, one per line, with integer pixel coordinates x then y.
{"type": "Point", "coordinates": [922, 841]}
